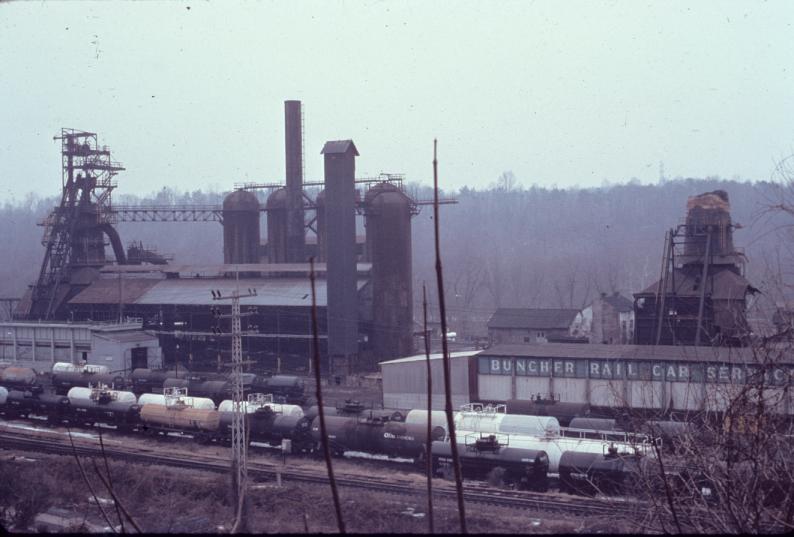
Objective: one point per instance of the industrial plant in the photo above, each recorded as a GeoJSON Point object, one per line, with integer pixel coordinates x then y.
{"type": "Point", "coordinates": [364, 294]}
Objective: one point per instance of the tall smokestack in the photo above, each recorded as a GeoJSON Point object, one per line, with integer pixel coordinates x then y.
{"type": "Point", "coordinates": [293, 142]}
{"type": "Point", "coordinates": [340, 225]}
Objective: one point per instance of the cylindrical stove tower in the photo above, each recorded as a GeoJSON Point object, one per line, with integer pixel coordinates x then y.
{"type": "Point", "coordinates": [241, 228]}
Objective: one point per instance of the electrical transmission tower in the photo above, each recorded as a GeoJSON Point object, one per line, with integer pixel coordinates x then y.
{"type": "Point", "coordinates": [239, 437]}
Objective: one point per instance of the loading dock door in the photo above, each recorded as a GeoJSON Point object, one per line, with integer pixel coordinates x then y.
{"type": "Point", "coordinates": [139, 358]}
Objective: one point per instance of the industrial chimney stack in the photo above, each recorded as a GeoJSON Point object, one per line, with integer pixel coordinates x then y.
{"type": "Point", "coordinates": [293, 138]}
{"type": "Point", "coordinates": [340, 225]}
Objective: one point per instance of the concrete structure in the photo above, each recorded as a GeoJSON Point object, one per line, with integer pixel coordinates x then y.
{"type": "Point", "coordinates": [340, 197]}
{"type": "Point", "coordinates": [654, 379]}
{"type": "Point", "coordinates": [533, 325]}
{"type": "Point", "coordinates": [120, 347]}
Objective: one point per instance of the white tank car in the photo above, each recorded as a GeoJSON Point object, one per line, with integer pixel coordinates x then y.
{"type": "Point", "coordinates": [151, 399]}
{"type": "Point", "coordinates": [79, 393]}
{"type": "Point", "coordinates": [67, 367]}
{"type": "Point", "coordinates": [283, 409]}
{"type": "Point", "coordinates": [419, 417]}
{"type": "Point", "coordinates": [490, 421]}
{"type": "Point", "coordinates": [3, 395]}
{"type": "Point", "coordinates": [555, 446]}
{"type": "Point", "coordinates": [202, 403]}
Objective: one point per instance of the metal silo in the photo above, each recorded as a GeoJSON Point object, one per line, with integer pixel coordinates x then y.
{"type": "Point", "coordinates": [241, 228]}
{"type": "Point", "coordinates": [388, 221]}
{"type": "Point", "coordinates": [277, 226]}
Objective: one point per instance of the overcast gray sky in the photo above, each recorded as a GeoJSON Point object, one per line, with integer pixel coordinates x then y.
{"type": "Point", "coordinates": [190, 94]}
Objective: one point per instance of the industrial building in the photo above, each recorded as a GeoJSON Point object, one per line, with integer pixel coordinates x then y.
{"type": "Point", "coordinates": [119, 346]}
{"type": "Point", "coordinates": [658, 379]}
{"type": "Point", "coordinates": [364, 286]}
{"type": "Point", "coordinates": [701, 296]}
{"type": "Point", "coordinates": [535, 325]}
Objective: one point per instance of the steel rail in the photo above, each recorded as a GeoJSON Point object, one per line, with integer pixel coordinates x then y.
{"type": "Point", "coordinates": [526, 500]}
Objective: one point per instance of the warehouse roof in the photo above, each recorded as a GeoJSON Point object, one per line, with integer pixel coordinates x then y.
{"type": "Point", "coordinates": [108, 291]}
{"type": "Point", "coordinates": [436, 356]}
{"type": "Point", "coordinates": [537, 318]}
{"type": "Point", "coordinates": [626, 352]}
{"type": "Point", "coordinates": [197, 291]}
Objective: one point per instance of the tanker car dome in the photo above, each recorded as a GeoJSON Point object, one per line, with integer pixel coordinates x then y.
{"type": "Point", "coordinates": [278, 199]}
{"type": "Point", "coordinates": [241, 200]}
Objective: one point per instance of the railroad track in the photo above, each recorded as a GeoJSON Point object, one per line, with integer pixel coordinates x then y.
{"type": "Point", "coordinates": [258, 470]}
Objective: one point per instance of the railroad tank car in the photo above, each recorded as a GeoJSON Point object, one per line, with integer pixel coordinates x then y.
{"type": "Point", "coordinates": [268, 427]}
{"type": "Point", "coordinates": [79, 393]}
{"type": "Point", "coordinates": [24, 404]}
{"type": "Point", "coordinates": [374, 435]}
{"type": "Point", "coordinates": [145, 380]}
{"type": "Point", "coordinates": [400, 439]}
{"type": "Point", "coordinates": [595, 424]}
{"type": "Point", "coordinates": [593, 473]}
{"type": "Point", "coordinates": [489, 422]}
{"type": "Point", "coordinates": [285, 388]}
{"type": "Point", "coordinates": [278, 408]}
{"type": "Point", "coordinates": [151, 399]}
{"type": "Point", "coordinates": [217, 390]}
{"type": "Point", "coordinates": [419, 417]}
{"type": "Point", "coordinates": [63, 382]}
{"type": "Point", "coordinates": [564, 412]}
{"type": "Point", "coordinates": [556, 446]}
{"type": "Point", "coordinates": [68, 367]}
{"type": "Point", "coordinates": [520, 467]}
{"type": "Point", "coordinates": [349, 407]}
{"type": "Point", "coordinates": [672, 433]}
{"type": "Point", "coordinates": [158, 418]}
{"type": "Point", "coordinates": [122, 414]}
{"type": "Point", "coordinates": [21, 378]}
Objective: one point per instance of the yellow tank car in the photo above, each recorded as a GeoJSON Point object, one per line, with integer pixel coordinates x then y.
{"type": "Point", "coordinates": [180, 418]}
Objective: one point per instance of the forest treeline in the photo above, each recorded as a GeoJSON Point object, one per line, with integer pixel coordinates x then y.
{"type": "Point", "coordinates": [502, 246]}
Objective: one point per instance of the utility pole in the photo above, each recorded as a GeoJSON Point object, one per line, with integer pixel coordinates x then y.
{"type": "Point", "coordinates": [239, 443]}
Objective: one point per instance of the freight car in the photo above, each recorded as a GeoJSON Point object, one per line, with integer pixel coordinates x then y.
{"type": "Point", "coordinates": [216, 390]}
{"type": "Point", "coordinates": [564, 412]}
{"type": "Point", "coordinates": [486, 456]}
{"type": "Point", "coordinates": [270, 427]}
{"type": "Point", "coordinates": [594, 473]}
{"type": "Point", "coordinates": [375, 435]}
{"type": "Point", "coordinates": [151, 380]}
{"type": "Point", "coordinates": [64, 381]}
{"type": "Point", "coordinates": [20, 378]}
{"type": "Point", "coordinates": [103, 405]}
{"type": "Point", "coordinates": [21, 404]}
{"type": "Point", "coordinates": [180, 418]}
{"type": "Point", "coordinates": [285, 388]}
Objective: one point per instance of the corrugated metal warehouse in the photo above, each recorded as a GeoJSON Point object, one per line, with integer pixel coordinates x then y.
{"type": "Point", "coordinates": [641, 377]}
{"type": "Point", "coordinates": [177, 303]}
